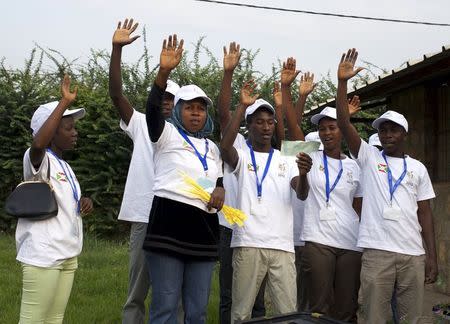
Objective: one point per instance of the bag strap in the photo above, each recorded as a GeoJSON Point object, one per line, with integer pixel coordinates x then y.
{"type": "Point", "coordinates": [48, 169]}
{"type": "Point", "coordinates": [36, 177]}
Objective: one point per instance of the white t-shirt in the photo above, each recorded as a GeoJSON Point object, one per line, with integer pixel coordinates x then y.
{"type": "Point", "coordinates": [270, 222]}
{"type": "Point", "coordinates": [230, 182]}
{"type": "Point", "coordinates": [376, 232]}
{"type": "Point", "coordinates": [138, 193]}
{"type": "Point", "coordinates": [47, 243]}
{"type": "Point", "coordinates": [341, 230]}
{"type": "Point", "coordinates": [172, 153]}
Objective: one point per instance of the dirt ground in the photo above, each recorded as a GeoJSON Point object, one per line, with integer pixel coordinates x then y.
{"type": "Point", "coordinates": [430, 299]}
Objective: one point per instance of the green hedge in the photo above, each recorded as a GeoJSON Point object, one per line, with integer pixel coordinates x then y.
{"type": "Point", "coordinates": [103, 153]}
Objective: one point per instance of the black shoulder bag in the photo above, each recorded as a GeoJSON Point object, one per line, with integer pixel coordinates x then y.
{"type": "Point", "coordinates": [33, 200]}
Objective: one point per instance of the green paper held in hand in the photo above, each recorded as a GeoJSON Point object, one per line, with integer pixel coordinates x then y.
{"type": "Point", "coordinates": [292, 148]}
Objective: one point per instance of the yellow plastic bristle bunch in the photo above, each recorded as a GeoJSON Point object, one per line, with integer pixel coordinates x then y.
{"type": "Point", "coordinates": [232, 215]}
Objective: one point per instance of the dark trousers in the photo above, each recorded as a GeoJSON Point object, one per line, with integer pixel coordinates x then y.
{"type": "Point", "coordinates": [332, 278]}
{"type": "Point", "coordinates": [226, 280]}
{"type": "Point", "coordinates": [302, 294]}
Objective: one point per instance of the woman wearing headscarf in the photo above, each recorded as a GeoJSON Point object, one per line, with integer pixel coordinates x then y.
{"type": "Point", "coordinates": [182, 235]}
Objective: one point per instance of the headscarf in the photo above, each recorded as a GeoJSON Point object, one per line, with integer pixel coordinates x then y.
{"type": "Point", "coordinates": [175, 119]}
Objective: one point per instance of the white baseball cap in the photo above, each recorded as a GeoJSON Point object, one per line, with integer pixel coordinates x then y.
{"type": "Point", "coordinates": [392, 116]}
{"type": "Point", "coordinates": [374, 140]}
{"type": "Point", "coordinates": [314, 137]}
{"type": "Point", "coordinates": [172, 87]}
{"type": "Point", "coordinates": [190, 92]}
{"type": "Point", "coordinates": [326, 112]}
{"type": "Point", "coordinates": [259, 103]}
{"type": "Point", "coordinates": [44, 111]}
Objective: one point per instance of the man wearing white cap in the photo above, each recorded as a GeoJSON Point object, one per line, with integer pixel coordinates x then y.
{"type": "Point", "coordinates": [138, 193]}
{"type": "Point", "coordinates": [230, 183]}
{"type": "Point", "coordinates": [265, 244]}
{"type": "Point", "coordinates": [396, 216]}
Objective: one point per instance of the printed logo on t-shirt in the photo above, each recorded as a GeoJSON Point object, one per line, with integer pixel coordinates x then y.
{"type": "Point", "coordinates": [350, 177]}
{"type": "Point", "coordinates": [410, 179]}
{"type": "Point", "coordinates": [61, 176]}
{"type": "Point", "coordinates": [321, 168]}
{"type": "Point", "coordinates": [250, 167]}
{"type": "Point", "coordinates": [382, 167]}
{"type": "Point", "coordinates": [186, 146]}
{"type": "Point", "coordinates": [282, 169]}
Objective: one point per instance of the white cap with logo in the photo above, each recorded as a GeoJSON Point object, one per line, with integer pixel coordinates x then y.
{"type": "Point", "coordinates": [189, 92]}
{"type": "Point", "coordinates": [259, 103]}
{"type": "Point", "coordinates": [326, 112]}
{"type": "Point", "coordinates": [44, 111]}
{"type": "Point", "coordinates": [374, 140]}
{"type": "Point", "coordinates": [392, 116]}
{"type": "Point", "coordinates": [172, 87]}
{"type": "Point", "coordinates": [314, 137]}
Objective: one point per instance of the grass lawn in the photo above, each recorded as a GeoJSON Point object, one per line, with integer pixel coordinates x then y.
{"type": "Point", "coordinates": [99, 289]}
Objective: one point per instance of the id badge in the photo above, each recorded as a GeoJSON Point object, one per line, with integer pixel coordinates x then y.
{"type": "Point", "coordinates": [327, 213]}
{"type": "Point", "coordinates": [392, 213]}
{"type": "Point", "coordinates": [258, 209]}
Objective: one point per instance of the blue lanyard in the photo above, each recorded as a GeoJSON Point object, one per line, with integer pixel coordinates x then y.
{"type": "Point", "coordinates": [70, 179]}
{"type": "Point", "coordinates": [328, 190]}
{"type": "Point", "coordinates": [394, 187]}
{"type": "Point", "coordinates": [266, 169]}
{"type": "Point", "coordinates": [200, 157]}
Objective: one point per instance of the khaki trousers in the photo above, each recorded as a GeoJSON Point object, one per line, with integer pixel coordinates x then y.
{"type": "Point", "coordinates": [380, 271]}
{"type": "Point", "coordinates": [250, 266]}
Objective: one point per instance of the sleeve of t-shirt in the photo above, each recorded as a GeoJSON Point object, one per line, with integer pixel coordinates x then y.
{"type": "Point", "coordinates": [166, 135]}
{"type": "Point", "coordinates": [30, 172]}
{"type": "Point", "coordinates": [240, 163]}
{"type": "Point", "coordinates": [133, 125]}
{"type": "Point", "coordinates": [425, 189]}
{"type": "Point", "coordinates": [359, 190]}
{"type": "Point", "coordinates": [239, 142]}
{"type": "Point", "coordinates": [365, 153]}
{"type": "Point", "coordinates": [219, 162]}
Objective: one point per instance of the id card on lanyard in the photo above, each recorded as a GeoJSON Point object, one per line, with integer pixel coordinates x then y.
{"type": "Point", "coordinates": [393, 212]}
{"type": "Point", "coordinates": [70, 179]}
{"type": "Point", "coordinates": [203, 159]}
{"type": "Point", "coordinates": [329, 213]}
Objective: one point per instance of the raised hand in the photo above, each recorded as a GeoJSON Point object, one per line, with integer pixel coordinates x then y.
{"type": "Point", "coordinates": [171, 53]}
{"type": "Point", "coordinates": [289, 72]}
{"type": "Point", "coordinates": [304, 163]}
{"type": "Point", "coordinates": [346, 69]}
{"type": "Point", "coordinates": [248, 95]}
{"type": "Point", "coordinates": [307, 84]}
{"type": "Point", "coordinates": [277, 94]}
{"type": "Point", "coordinates": [66, 94]}
{"type": "Point", "coordinates": [354, 105]}
{"type": "Point", "coordinates": [231, 58]}
{"type": "Point", "coordinates": [122, 35]}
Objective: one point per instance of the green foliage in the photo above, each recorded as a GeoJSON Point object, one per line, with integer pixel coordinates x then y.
{"type": "Point", "coordinates": [102, 157]}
